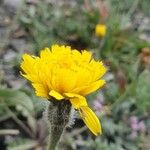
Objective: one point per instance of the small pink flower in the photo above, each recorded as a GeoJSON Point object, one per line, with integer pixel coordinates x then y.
{"type": "Point", "coordinates": [97, 105]}
{"type": "Point", "coordinates": [133, 120]}
{"type": "Point", "coordinates": [141, 126]}
{"type": "Point", "coordinates": [135, 126]}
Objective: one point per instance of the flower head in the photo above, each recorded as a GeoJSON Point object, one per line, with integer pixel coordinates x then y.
{"type": "Point", "coordinates": [100, 30]}
{"type": "Point", "coordinates": [65, 74]}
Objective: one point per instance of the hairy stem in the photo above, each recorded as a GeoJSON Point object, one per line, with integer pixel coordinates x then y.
{"type": "Point", "coordinates": [58, 113]}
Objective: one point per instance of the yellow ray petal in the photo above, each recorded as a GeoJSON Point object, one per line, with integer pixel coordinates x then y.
{"type": "Point", "coordinates": [91, 120]}
{"type": "Point", "coordinates": [86, 56]}
{"type": "Point", "coordinates": [56, 95]}
{"type": "Point", "coordinates": [40, 90]}
{"type": "Point", "coordinates": [66, 80]}
{"type": "Point", "coordinates": [60, 49]}
{"type": "Point", "coordinates": [76, 100]}
{"type": "Point", "coordinates": [44, 54]}
{"type": "Point", "coordinates": [92, 87]}
{"type": "Point", "coordinates": [98, 68]}
{"type": "Point", "coordinates": [84, 90]}
{"type": "Point", "coordinates": [30, 77]}
{"type": "Point", "coordinates": [27, 64]}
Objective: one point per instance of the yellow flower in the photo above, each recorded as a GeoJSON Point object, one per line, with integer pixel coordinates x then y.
{"type": "Point", "coordinates": [65, 74]}
{"type": "Point", "coordinates": [100, 30]}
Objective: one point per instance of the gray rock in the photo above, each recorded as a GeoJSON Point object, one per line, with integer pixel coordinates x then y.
{"type": "Point", "coordinates": [18, 44]}
{"type": "Point", "coordinates": [12, 5]}
{"type": "Point", "coordinates": [10, 55]}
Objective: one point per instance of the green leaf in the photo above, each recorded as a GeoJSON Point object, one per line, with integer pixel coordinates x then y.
{"type": "Point", "coordinates": [14, 97]}
{"type": "Point", "coordinates": [143, 91]}
{"type": "Point", "coordinates": [22, 102]}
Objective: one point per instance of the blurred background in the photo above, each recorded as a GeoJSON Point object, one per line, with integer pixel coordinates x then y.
{"type": "Point", "coordinates": [123, 105]}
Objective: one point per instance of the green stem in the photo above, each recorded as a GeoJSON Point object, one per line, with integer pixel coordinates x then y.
{"type": "Point", "coordinates": [54, 137]}
{"type": "Point", "coordinates": [58, 114]}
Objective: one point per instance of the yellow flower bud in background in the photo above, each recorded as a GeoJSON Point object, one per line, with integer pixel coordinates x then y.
{"type": "Point", "coordinates": [100, 30]}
